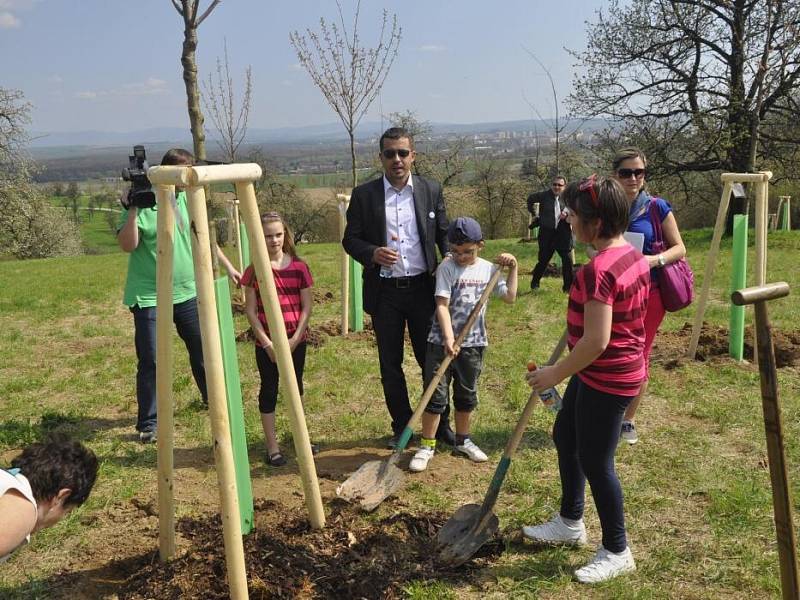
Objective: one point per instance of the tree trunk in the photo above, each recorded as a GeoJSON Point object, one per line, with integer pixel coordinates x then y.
{"type": "Point", "coordinates": [353, 158]}
{"type": "Point", "coordinates": [738, 157]}
{"type": "Point", "coordinates": [192, 91]}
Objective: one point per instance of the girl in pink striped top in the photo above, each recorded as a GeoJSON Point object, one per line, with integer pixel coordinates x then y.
{"type": "Point", "coordinates": [293, 283]}
{"type": "Point", "coordinates": [605, 324]}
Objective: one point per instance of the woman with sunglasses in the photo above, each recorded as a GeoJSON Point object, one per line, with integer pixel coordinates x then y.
{"type": "Point", "coordinates": [605, 367]}
{"type": "Point", "coordinates": [629, 168]}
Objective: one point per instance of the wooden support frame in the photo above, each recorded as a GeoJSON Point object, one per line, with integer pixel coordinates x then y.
{"type": "Point", "coordinates": [761, 183]}
{"type": "Point", "coordinates": [234, 234]}
{"type": "Point", "coordinates": [260, 258]}
{"type": "Point", "coordinates": [165, 247]}
{"type": "Point", "coordinates": [193, 179]}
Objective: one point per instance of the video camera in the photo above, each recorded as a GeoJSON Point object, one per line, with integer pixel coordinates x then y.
{"type": "Point", "coordinates": [141, 194]}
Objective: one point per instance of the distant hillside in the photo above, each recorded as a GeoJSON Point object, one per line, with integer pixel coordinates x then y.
{"type": "Point", "coordinates": [43, 142]}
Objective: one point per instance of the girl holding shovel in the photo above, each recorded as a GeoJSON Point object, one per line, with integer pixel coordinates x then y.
{"type": "Point", "coordinates": [606, 369]}
{"type": "Point", "coordinates": [293, 283]}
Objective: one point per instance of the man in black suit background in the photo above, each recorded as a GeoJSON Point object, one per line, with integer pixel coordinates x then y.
{"type": "Point", "coordinates": [394, 225]}
{"type": "Point", "coordinates": [555, 234]}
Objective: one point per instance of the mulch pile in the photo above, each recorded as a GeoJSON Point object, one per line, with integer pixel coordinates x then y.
{"type": "Point", "coordinates": [352, 557]}
{"type": "Point", "coordinates": [713, 342]}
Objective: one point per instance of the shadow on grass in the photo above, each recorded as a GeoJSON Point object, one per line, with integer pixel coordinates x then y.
{"type": "Point", "coordinates": [100, 582]}
{"type": "Point", "coordinates": [491, 440]}
{"type": "Point", "coordinates": [17, 433]}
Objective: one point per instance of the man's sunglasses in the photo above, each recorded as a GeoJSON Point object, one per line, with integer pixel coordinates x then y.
{"type": "Point", "coordinates": [626, 173]}
{"type": "Point", "coordinates": [389, 154]}
{"type": "Point", "coordinates": [557, 184]}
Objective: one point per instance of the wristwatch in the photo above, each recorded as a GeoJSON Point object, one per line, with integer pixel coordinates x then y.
{"type": "Point", "coordinates": [661, 260]}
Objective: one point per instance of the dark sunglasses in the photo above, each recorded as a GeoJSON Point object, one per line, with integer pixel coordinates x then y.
{"type": "Point", "coordinates": [587, 185]}
{"type": "Point", "coordinates": [557, 184]}
{"type": "Point", "coordinates": [626, 173]}
{"type": "Point", "coordinates": [390, 154]}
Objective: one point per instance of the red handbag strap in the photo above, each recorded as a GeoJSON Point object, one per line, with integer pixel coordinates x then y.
{"type": "Point", "coordinates": [654, 219]}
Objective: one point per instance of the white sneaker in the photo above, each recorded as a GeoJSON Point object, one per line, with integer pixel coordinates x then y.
{"type": "Point", "coordinates": [606, 565]}
{"type": "Point", "coordinates": [421, 459]}
{"type": "Point", "coordinates": [628, 432]}
{"type": "Point", "coordinates": [556, 531]}
{"type": "Point", "coordinates": [471, 451]}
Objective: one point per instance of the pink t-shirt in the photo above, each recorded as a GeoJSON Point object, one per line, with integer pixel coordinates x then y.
{"type": "Point", "coordinates": [620, 277]}
{"type": "Point", "coordinates": [288, 282]}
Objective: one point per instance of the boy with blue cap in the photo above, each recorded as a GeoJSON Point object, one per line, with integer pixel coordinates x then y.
{"type": "Point", "coordinates": [459, 284]}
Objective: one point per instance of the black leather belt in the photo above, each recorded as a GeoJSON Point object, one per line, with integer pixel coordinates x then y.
{"type": "Point", "coordinates": [404, 282]}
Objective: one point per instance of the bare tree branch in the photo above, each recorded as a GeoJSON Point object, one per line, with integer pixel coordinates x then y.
{"type": "Point", "coordinates": [349, 75]}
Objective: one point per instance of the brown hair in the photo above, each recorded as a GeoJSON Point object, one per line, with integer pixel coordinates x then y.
{"type": "Point", "coordinates": [599, 198]}
{"type": "Point", "coordinates": [178, 157]}
{"type": "Point", "coordinates": [627, 154]}
{"type": "Point", "coordinates": [288, 236]}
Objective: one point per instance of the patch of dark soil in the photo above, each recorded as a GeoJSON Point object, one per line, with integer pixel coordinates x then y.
{"type": "Point", "coordinates": [321, 297]}
{"type": "Point", "coordinates": [554, 270]}
{"type": "Point", "coordinates": [713, 342]}
{"type": "Point", "coordinates": [246, 336]}
{"type": "Point", "coordinates": [317, 334]}
{"type": "Point", "coordinates": [352, 557]}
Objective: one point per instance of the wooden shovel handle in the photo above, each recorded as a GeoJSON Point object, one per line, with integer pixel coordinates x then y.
{"type": "Point", "coordinates": [519, 430]}
{"type": "Point", "coordinates": [473, 316]}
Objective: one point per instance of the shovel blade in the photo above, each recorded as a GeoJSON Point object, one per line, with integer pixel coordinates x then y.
{"type": "Point", "coordinates": [466, 531]}
{"type": "Point", "coordinates": [371, 484]}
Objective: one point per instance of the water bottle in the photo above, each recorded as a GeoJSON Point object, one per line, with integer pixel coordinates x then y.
{"type": "Point", "coordinates": [550, 397]}
{"type": "Point", "coordinates": [387, 271]}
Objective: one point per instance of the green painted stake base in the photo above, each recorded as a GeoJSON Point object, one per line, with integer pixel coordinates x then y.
{"type": "Point", "coordinates": [784, 217]}
{"type": "Point", "coordinates": [233, 389]}
{"type": "Point", "coordinates": [738, 281]}
{"type": "Point", "coordinates": [356, 307]}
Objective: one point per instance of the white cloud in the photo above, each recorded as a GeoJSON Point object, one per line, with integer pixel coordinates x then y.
{"type": "Point", "coordinates": [432, 48]}
{"type": "Point", "coordinates": [9, 21]}
{"type": "Point", "coordinates": [296, 67]}
{"type": "Point", "coordinates": [149, 87]}
{"type": "Point", "coordinates": [55, 79]}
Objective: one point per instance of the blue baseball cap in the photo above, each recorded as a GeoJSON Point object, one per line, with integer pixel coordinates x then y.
{"type": "Point", "coordinates": [464, 230]}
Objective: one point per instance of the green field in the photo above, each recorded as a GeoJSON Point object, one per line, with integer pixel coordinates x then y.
{"type": "Point", "coordinates": [697, 489]}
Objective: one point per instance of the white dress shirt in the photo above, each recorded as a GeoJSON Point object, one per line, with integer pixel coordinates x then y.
{"type": "Point", "coordinates": [401, 225]}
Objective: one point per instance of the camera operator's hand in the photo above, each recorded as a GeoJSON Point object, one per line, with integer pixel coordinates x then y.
{"type": "Point", "coordinates": [124, 199]}
{"type": "Point", "coordinates": [128, 234]}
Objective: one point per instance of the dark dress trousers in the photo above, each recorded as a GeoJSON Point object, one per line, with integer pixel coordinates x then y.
{"type": "Point", "coordinates": [395, 303]}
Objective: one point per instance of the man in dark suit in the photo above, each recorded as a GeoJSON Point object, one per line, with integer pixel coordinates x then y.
{"type": "Point", "coordinates": [555, 234]}
{"type": "Point", "coordinates": [394, 224]}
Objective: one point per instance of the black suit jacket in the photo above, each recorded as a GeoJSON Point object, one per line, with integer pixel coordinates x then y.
{"type": "Point", "coordinates": [547, 217]}
{"type": "Point", "coordinates": [366, 228]}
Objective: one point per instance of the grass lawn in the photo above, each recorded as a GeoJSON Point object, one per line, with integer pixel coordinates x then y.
{"type": "Point", "coordinates": [697, 490]}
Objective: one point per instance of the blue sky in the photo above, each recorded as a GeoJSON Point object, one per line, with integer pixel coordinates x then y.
{"type": "Point", "coordinates": [114, 65]}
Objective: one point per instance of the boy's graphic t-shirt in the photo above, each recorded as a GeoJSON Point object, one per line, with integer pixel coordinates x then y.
{"type": "Point", "coordinates": [464, 286]}
{"type": "Point", "coordinates": [288, 282]}
{"type": "Point", "coordinates": [620, 277]}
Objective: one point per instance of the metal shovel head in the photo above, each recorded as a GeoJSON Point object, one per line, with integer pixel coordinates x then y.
{"type": "Point", "coordinates": [466, 531]}
{"type": "Point", "coordinates": [371, 484]}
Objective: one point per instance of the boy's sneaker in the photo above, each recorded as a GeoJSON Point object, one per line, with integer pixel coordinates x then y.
{"type": "Point", "coordinates": [628, 432]}
{"type": "Point", "coordinates": [471, 451]}
{"type": "Point", "coordinates": [556, 531]}
{"type": "Point", "coordinates": [421, 459]}
{"type": "Point", "coordinates": [606, 565]}
{"type": "Point", "coordinates": [148, 436]}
